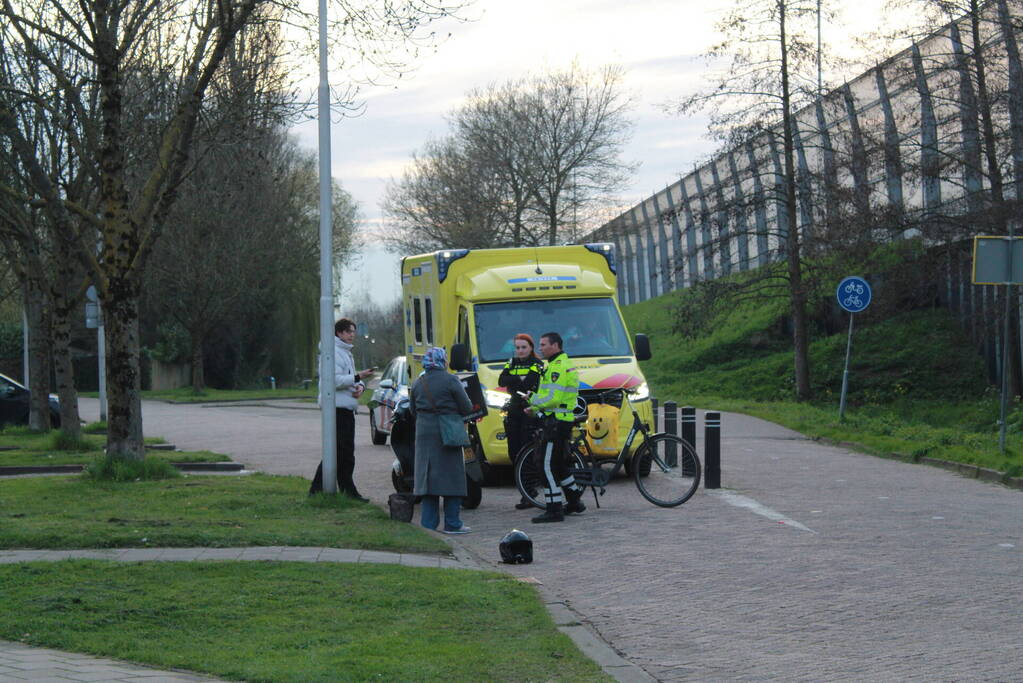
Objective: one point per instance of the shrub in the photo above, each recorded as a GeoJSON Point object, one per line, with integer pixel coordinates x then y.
{"type": "Point", "coordinates": [108, 468]}
{"type": "Point", "coordinates": [62, 441]}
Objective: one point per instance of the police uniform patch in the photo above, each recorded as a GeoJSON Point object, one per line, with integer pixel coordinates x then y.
{"type": "Point", "coordinates": [554, 376]}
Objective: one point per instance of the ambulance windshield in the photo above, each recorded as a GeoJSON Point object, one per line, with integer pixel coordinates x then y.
{"type": "Point", "coordinates": [589, 327]}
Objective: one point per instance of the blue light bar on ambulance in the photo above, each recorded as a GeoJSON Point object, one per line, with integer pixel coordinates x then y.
{"type": "Point", "coordinates": [605, 249]}
{"type": "Point", "coordinates": [445, 259]}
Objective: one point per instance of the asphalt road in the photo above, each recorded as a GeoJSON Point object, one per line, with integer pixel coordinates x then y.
{"type": "Point", "coordinates": [813, 564]}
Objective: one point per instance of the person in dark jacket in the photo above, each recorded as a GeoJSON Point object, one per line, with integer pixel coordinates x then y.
{"type": "Point", "coordinates": [521, 375]}
{"type": "Point", "coordinates": [439, 469]}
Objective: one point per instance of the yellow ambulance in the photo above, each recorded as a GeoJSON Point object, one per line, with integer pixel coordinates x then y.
{"type": "Point", "coordinates": [473, 302]}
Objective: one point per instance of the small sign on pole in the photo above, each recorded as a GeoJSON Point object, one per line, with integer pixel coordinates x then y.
{"type": "Point", "coordinates": [995, 262]}
{"type": "Point", "coordinates": [998, 260]}
{"type": "Point", "coordinates": [854, 295]}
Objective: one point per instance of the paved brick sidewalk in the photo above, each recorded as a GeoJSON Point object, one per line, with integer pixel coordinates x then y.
{"type": "Point", "coordinates": [23, 663]}
{"type": "Point", "coordinates": [904, 572]}
{"type": "Point", "coordinates": [275, 553]}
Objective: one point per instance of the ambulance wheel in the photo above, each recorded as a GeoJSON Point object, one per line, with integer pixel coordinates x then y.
{"type": "Point", "coordinates": [473, 494]}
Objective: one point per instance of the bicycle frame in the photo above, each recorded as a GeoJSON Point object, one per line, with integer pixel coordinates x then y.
{"type": "Point", "coordinates": [595, 475]}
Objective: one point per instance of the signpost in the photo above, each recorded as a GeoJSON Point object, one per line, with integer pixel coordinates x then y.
{"type": "Point", "coordinates": [94, 321]}
{"type": "Point", "coordinates": [854, 296]}
{"type": "Point", "coordinates": [998, 260]}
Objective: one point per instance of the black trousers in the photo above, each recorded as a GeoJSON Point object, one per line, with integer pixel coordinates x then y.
{"type": "Point", "coordinates": [518, 430]}
{"type": "Point", "coordinates": [344, 427]}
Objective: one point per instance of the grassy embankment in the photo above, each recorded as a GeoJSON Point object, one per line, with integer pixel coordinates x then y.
{"type": "Point", "coordinates": [916, 383]}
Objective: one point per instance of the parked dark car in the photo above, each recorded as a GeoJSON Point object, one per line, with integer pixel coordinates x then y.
{"type": "Point", "coordinates": [392, 387]}
{"type": "Point", "coordinates": [14, 404]}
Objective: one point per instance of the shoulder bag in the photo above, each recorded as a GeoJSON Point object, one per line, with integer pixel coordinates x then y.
{"type": "Point", "coordinates": [452, 429]}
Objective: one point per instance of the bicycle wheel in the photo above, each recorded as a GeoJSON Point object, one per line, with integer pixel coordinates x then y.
{"type": "Point", "coordinates": [666, 470]}
{"type": "Point", "coordinates": [530, 478]}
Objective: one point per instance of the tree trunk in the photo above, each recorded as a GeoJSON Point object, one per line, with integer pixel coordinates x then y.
{"type": "Point", "coordinates": [70, 420]}
{"type": "Point", "coordinates": [124, 377]}
{"type": "Point", "coordinates": [38, 354]}
{"type": "Point", "coordinates": [797, 292]}
{"type": "Point", "coordinates": [1016, 145]}
{"type": "Point", "coordinates": [63, 309]}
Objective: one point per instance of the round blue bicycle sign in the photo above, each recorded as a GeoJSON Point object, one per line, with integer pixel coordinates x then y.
{"type": "Point", "coordinates": [853, 294]}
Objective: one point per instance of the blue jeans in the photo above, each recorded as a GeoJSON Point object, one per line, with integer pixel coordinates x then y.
{"type": "Point", "coordinates": [429, 515]}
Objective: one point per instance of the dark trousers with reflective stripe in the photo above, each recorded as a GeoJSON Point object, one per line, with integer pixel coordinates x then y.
{"type": "Point", "coordinates": [555, 462]}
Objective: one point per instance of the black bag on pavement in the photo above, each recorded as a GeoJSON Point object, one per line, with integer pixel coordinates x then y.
{"type": "Point", "coordinates": [400, 506]}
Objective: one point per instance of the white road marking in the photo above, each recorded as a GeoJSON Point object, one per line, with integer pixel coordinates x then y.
{"type": "Point", "coordinates": [1006, 545]}
{"type": "Point", "coordinates": [741, 501]}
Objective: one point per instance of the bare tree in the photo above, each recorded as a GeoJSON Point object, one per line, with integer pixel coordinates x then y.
{"type": "Point", "coordinates": [770, 50]}
{"type": "Point", "coordinates": [526, 163]}
{"type": "Point", "coordinates": [971, 126]}
{"type": "Point", "coordinates": [449, 196]}
{"type": "Point", "coordinates": [575, 129]}
{"type": "Point", "coordinates": [188, 40]}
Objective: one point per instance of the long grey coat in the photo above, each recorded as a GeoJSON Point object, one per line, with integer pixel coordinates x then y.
{"type": "Point", "coordinates": [440, 469]}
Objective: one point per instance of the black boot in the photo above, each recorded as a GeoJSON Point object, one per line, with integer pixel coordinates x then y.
{"type": "Point", "coordinates": [523, 504]}
{"type": "Point", "coordinates": [553, 513]}
{"type": "Point", "coordinates": [354, 494]}
{"type": "Point", "coordinates": [575, 505]}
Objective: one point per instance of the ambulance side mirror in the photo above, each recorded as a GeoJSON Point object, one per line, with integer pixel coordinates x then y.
{"type": "Point", "coordinates": [459, 357]}
{"type": "Point", "coordinates": [643, 347]}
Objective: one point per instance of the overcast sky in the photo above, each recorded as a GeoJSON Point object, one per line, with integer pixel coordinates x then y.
{"type": "Point", "coordinates": [658, 42]}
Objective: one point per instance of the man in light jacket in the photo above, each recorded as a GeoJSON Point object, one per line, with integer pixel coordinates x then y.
{"type": "Point", "coordinates": [348, 386]}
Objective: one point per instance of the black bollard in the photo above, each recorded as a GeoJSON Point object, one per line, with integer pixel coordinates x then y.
{"type": "Point", "coordinates": [712, 451]}
{"type": "Point", "coordinates": [671, 427]}
{"type": "Point", "coordinates": [689, 425]}
{"type": "Point", "coordinates": [653, 411]}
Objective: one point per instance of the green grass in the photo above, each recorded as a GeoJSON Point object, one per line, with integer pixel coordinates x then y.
{"type": "Point", "coordinates": [20, 446]}
{"type": "Point", "coordinates": [272, 621]}
{"type": "Point", "coordinates": [916, 382]}
{"type": "Point", "coordinates": [214, 511]}
{"type": "Point", "coordinates": [124, 470]}
{"type": "Point", "coordinates": [186, 395]}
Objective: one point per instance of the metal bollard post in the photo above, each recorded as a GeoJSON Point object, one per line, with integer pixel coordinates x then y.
{"type": "Point", "coordinates": [653, 409]}
{"type": "Point", "coordinates": [671, 427]}
{"type": "Point", "coordinates": [689, 425]}
{"type": "Point", "coordinates": [712, 451]}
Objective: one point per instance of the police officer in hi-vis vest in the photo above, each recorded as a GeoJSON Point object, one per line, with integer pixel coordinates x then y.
{"type": "Point", "coordinates": [521, 377]}
{"type": "Point", "coordinates": [555, 401]}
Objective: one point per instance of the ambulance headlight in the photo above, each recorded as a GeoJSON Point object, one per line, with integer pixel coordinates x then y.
{"type": "Point", "coordinates": [496, 399]}
{"type": "Point", "coordinates": [641, 393]}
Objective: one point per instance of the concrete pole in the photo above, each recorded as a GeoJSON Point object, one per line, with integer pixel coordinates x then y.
{"type": "Point", "coordinates": [328, 426]}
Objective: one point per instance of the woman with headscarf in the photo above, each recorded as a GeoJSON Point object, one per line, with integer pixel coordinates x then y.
{"type": "Point", "coordinates": [439, 469]}
{"type": "Point", "coordinates": [521, 375]}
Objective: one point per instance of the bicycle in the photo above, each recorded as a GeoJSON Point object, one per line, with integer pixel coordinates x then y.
{"type": "Point", "coordinates": [665, 467]}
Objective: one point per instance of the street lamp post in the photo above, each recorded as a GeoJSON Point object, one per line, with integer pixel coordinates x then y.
{"type": "Point", "coordinates": [326, 271]}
